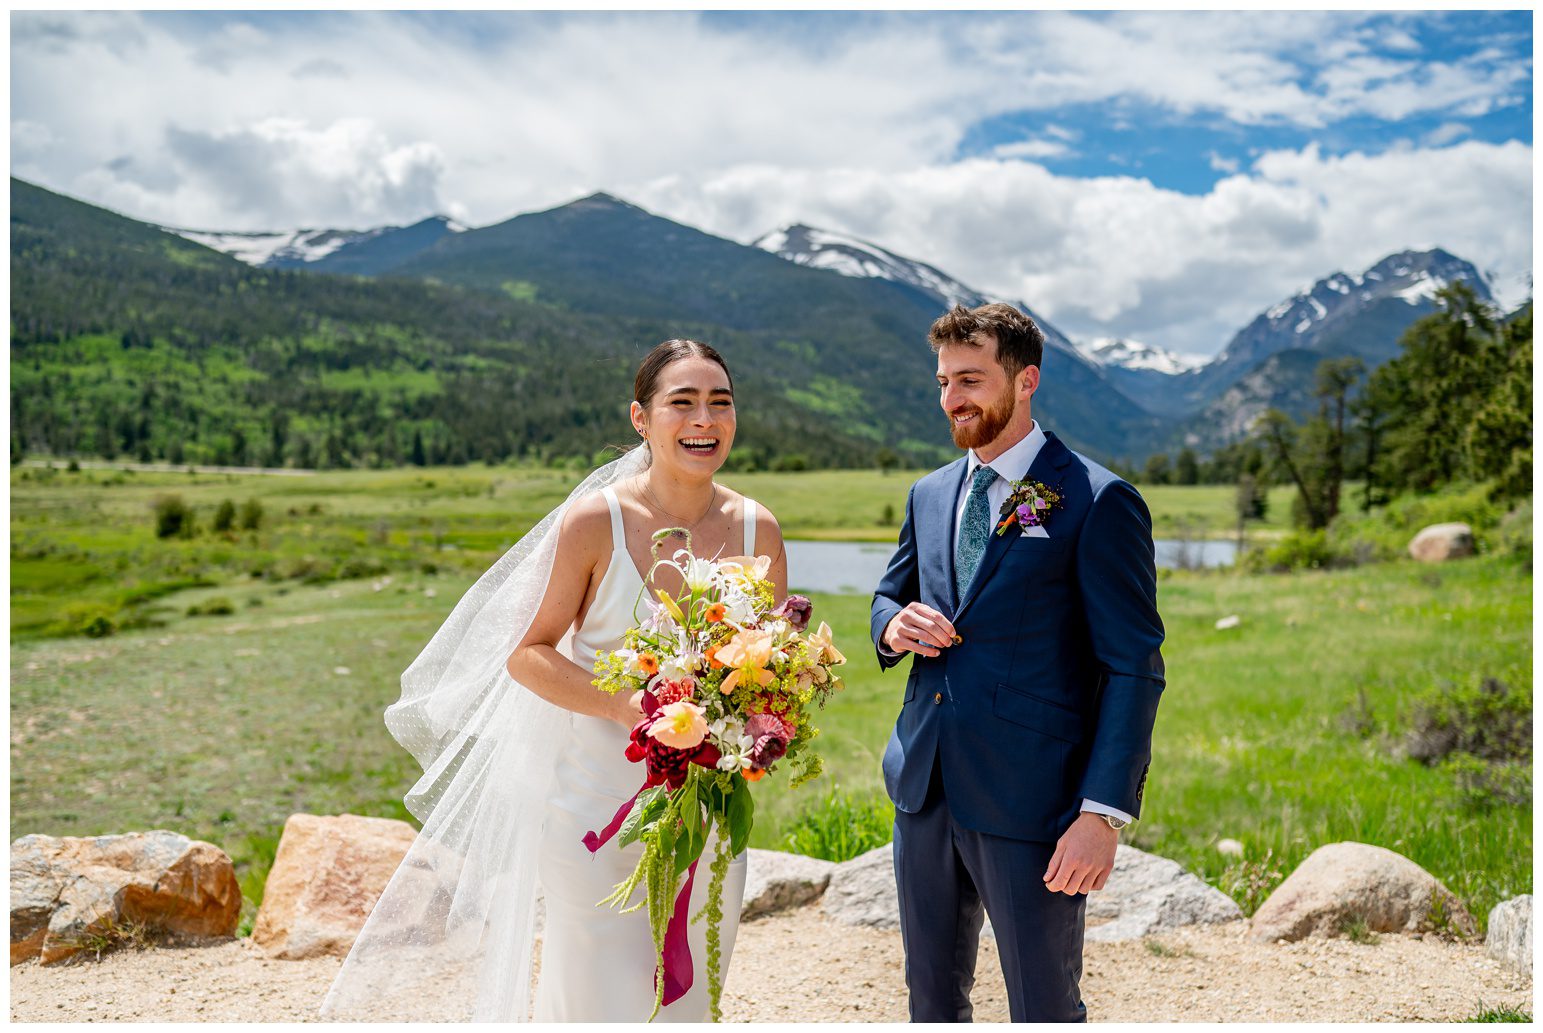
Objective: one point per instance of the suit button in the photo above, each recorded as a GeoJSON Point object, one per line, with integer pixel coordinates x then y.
{"type": "Point", "coordinates": [937, 697]}
{"type": "Point", "coordinates": [957, 639]}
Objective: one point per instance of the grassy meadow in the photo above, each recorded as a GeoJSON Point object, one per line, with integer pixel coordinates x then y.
{"type": "Point", "coordinates": [1280, 733]}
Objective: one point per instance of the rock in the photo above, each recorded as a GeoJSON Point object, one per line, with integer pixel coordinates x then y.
{"type": "Point", "coordinates": [1355, 882]}
{"type": "Point", "coordinates": [1229, 622]}
{"type": "Point", "coordinates": [1510, 932]}
{"type": "Point", "coordinates": [862, 891]}
{"type": "Point", "coordinates": [68, 892]}
{"type": "Point", "coordinates": [775, 881]}
{"type": "Point", "coordinates": [1440, 542]}
{"type": "Point", "coordinates": [1229, 847]}
{"type": "Point", "coordinates": [326, 877]}
{"type": "Point", "coordinates": [1148, 894]}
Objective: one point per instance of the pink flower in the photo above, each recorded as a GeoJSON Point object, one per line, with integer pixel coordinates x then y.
{"type": "Point", "coordinates": [795, 609]}
{"type": "Point", "coordinates": [680, 724]}
{"type": "Point", "coordinates": [770, 735]}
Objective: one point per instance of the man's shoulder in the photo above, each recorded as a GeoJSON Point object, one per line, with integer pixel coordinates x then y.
{"type": "Point", "coordinates": [1097, 477]}
{"type": "Point", "coordinates": [943, 476]}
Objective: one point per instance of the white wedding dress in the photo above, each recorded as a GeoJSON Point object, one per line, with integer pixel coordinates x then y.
{"type": "Point", "coordinates": [597, 964]}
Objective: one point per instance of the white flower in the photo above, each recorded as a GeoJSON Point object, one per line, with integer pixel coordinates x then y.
{"type": "Point", "coordinates": [697, 573]}
{"type": "Point", "coordinates": [658, 618]}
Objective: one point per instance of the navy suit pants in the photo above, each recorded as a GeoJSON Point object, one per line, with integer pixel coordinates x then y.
{"type": "Point", "coordinates": [949, 877]}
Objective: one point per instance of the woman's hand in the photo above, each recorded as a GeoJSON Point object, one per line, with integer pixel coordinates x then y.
{"type": "Point", "coordinates": [629, 711]}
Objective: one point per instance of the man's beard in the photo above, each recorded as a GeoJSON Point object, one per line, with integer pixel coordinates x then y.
{"type": "Point", "coordinates": [983, 430]}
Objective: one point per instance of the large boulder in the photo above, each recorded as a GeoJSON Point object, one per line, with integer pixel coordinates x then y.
{"type": "Point", "coordinates": [775, 881]}
{"type": "Point", "coordinates": [1510, 932]}
{"type": "Point", "coordinates": [71, 893]}
{"type": "Point", "coordinates": [862, 891]}
{"type": "Point", "coordinates": [1440, 542]}
{"type": "Point", "coordinates": [1342, 885]}
{"type": "Point", "coordinates": [1148, 894]}
{"type": "Point", "coordinates": [326, 877]}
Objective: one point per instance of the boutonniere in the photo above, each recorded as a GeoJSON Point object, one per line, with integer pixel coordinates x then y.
{"type": "Point", "coordinates": [1028, 505]}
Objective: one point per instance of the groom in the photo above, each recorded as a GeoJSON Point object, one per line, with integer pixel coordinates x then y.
{"type": "Point", "coordinates": [1024, 585]}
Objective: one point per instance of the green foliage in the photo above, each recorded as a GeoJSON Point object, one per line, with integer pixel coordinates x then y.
{"type": "Point", "coordinates": [173, 517]}
{"type": "Point", "coordinates": [225, 516]}
{"type": "Point", "coordinates": [1157, 470]}
{"type": "Point", "coordinates": [1502, 1014]}
{"type": "Point", "coordinates": [1250, 883]}
{"type": "Point", "coordinates": [250, 517]}
{"type": "Point", "coordinates": [1484, 718]}
{"type": "Point", "coordinates": [841, 826]}
{"type": "Point", "coordinates": [1457, 403]}
{"type": "Point", "coordinates": [1385, 532]}
{"type": "Point", "coordinates": [1299, 550]}
{"type": "Point", "coordinates": [219, 606]}
{"type": "Point", "coordinates": [1356, 929]}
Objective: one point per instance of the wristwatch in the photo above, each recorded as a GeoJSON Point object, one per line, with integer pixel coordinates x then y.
{"type": "Point", "coordinates": [1114, 823]}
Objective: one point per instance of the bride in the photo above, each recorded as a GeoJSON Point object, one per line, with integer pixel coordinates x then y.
{"type": "Point", "coordinates": [522, 755]}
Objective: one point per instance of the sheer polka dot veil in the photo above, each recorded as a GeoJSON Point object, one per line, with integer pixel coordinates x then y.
{"type": "Point", "coordinates": [451, 937]}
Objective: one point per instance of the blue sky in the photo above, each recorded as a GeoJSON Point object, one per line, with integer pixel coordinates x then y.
{"type": "Point", "coordinates": [1159, 176]}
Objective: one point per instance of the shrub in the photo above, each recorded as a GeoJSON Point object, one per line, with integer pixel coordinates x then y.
{"type": "Point", "coordinates": [1490, 721]}
{"type": "Point", "coordinates": [225, 516]}
{"type": "Point", "coordinates": [1250, 883]}
{"type": "Point", "coordinates": [1299, 550]}
{"type": "Point", "coordinates": [840, 827]}
{"type": "Point", "coordinates": [219, 606]}
{"type": "Point", "coordinates": [93, 620]}
{"type": "Point", "coordinates": [1514, 535]}
{"type": "Point", "coordinates": [251, 515]}
{"type": "Point", "coordinates": [173, 517]}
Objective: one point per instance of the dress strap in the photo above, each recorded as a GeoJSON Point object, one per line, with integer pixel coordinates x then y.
{"type": "Point", "coordinates": [618, 532]}
{"type": "Point", "coordinates": [749, 514]}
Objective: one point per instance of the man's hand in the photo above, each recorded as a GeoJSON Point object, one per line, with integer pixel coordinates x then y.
{"type": "Point", "coordinates": [1083, 857]}
{"type": "Point", "coordinates": [919, 629]}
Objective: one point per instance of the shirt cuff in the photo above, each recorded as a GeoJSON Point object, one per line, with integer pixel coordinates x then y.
{"type": "Point", "coordinates": [1103, 808]}
{"type": "Point", "coordinates": [886, 651]}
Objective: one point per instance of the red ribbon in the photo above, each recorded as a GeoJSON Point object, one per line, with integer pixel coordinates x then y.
{"type": "Point", "coordinates": [677, 973]}
{"type": "Point", "coordinates": [595, 842]}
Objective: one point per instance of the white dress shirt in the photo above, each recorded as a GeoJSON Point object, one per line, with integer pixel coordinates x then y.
{"type": "Point", "coordinates": [1013, 465]}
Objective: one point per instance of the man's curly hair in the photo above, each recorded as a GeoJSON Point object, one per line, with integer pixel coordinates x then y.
{"type": "Point", "coordinates": [1019, 342]}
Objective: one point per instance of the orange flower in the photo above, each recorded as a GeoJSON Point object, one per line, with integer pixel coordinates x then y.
{"type": "Point", "coordinates": [648, 664]}
{"type": "Point", "coordinates": [716, 612]}
{"type": "Point", "coordinates": [712, 658]}
{"type": "Point", "coordinates": [753, 774]}
{"type": "Point", "coordinates": [748, 653]}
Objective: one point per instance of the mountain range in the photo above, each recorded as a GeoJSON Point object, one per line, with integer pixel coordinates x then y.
{"type": "Point", "coordinates": [826, 331]}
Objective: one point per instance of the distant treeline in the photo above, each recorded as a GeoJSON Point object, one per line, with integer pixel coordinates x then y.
{"type": "Point", "coordinates": [1454, 406]}
{"type": "Point", "coordinates": [127, 341]}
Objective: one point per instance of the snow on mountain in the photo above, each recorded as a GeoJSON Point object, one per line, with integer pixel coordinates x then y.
{"type": "Point", "coordinates": [849, 256]}
{"type": "Point", "coordinates": [1128, 354]}
{"type": "Point", "coordinates": [305, 245]}
{"type": "Point", "coordinates": [1413, 277]}
{"type": "Point", "coordinates": [291, 247]}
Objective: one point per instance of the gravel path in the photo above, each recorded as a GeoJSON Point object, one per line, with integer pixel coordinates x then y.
{"type": "Point", "coordinates": [797, 967]}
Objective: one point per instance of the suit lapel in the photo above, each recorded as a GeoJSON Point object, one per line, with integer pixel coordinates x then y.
{"type": "Point", "coordinates": [1052, 456]}
{"type": "Point", "coordinates": [936, 530]}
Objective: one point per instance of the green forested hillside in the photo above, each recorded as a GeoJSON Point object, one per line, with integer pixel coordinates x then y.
{"type": "Point", "coordinates": [128, 340]}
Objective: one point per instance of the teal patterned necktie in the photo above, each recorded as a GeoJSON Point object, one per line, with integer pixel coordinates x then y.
{"type": "Point", "coordinates": [974, 529]}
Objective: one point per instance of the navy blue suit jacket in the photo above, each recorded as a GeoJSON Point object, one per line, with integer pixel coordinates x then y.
{"type": "Point", "coordinates": [1051, 695]}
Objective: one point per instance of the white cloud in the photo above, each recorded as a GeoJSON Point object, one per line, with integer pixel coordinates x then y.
{"type": "Point", "coordinates": [1220, 163]}
{"type": "Point", "coordinates": [359, 119]}
{"type": "Point", "coordinates": [1116, 256]}
{"type": "Point", "coordinates": [1031, 149]}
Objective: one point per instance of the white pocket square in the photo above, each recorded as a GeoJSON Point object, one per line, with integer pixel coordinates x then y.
{"type": "Point", "coordinates": [1034, 532]}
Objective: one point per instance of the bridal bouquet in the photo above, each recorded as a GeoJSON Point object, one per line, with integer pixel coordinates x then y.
{"type": "Point", "coordinates": [729, 682]}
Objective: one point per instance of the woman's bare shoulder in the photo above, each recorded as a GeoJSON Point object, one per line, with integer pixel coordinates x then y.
{"type": "Point", "coordinates": [587, 524]}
